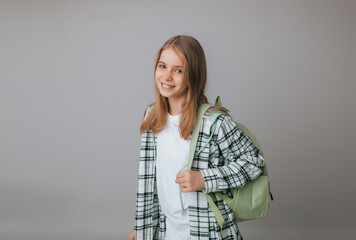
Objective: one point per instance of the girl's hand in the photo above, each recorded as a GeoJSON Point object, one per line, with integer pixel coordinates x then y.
{"type": "Point", "coordinates": [190, 181]}
{"type": "Point", "coordinates": [132, 236]}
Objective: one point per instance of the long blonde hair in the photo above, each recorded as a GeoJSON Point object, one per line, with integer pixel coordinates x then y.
{"type": "Point", "coordinates": [195, 75]}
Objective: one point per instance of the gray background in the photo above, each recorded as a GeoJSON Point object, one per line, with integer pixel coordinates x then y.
{"type": "Point", "coordinates": [76, 77]}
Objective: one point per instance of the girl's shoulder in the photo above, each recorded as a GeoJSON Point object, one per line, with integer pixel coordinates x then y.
{"type": "Point", "coordinates": [221, 123]}
{"type": "Point", "coordinates": [218, 122]}
{"type": "Point", "coordinates": [217, 115]}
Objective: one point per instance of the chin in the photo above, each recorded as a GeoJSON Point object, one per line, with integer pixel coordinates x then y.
{"type": "Point", "coordinates": [165, 94]}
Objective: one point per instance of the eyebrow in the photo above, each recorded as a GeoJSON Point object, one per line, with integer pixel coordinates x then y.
{"type": "Point", "coordinates": [166, 64]}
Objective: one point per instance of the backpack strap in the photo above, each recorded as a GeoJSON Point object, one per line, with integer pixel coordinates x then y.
{"type": "Point", "coordinates": [218, 102]}
{"type": "Point", "coordinates": [211, 117]}
{"type": "Point", "coordinates": [194, 138]}
{"type": "Point", "coordinates": [148, 109]}
{"type": "Point", "coordinates": [193, 142]}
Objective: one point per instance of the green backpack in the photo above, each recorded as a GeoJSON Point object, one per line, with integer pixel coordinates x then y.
{"type": "Point", "coordinates": [252, 200]}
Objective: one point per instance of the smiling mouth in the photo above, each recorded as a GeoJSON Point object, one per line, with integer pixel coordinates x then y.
{"type": "Point", "coordinates": [165, 86]}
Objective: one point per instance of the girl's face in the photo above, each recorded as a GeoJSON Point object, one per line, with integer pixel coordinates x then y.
{"type": "Point", "coordinates": [169, 76]}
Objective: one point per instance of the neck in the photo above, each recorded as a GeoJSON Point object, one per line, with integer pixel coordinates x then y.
{"type": "Point", "coordinates": [175, 107]}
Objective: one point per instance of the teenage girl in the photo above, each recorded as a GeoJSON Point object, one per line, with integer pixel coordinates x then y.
{"type": "Point", "coordinates": [170, 203]}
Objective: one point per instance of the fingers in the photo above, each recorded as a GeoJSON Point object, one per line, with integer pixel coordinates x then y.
{"type": "Point", "coordinates": [186, 190]}
{"type": "Point", "coordinates": [182, 181]}
{"type": "Point", "coordinates": [184, 185]}
{"type": "Point", "coordinates": [190, 181]}
{"type": "Point", "coordinates": [181, 177]}
{"type": "Point", "coordinates": [182, 174]}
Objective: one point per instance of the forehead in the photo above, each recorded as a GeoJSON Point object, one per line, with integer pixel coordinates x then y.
{"type": "Point", "coordinates": [173, 56]}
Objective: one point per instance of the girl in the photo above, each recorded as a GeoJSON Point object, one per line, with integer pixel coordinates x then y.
{"type": "Point", "coordinates": [171, 203]}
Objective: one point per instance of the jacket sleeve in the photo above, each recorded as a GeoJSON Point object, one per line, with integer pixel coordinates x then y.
{"type": "Point", "coordinates": [243, 162]}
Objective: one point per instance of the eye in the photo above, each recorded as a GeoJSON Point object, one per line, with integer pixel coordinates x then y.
{"type": "Point", "coordinates": [161, 66]}
{"type": "Point", "coordinates": [179, 71]}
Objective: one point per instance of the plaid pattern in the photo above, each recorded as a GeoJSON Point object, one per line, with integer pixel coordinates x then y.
{"type": "Point", "coordinates": [229, 161]}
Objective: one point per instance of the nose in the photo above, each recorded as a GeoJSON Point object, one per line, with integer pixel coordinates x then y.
{"type": "Point", "coordinates": [168, 76]}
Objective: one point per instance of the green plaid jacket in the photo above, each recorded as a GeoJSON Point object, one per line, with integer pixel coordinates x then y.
{"type": "Point", "coordinates": [229, 161]}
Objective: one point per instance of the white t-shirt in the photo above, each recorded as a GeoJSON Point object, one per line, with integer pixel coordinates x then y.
{"type": "Point", "coordinates": [172, 155]}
